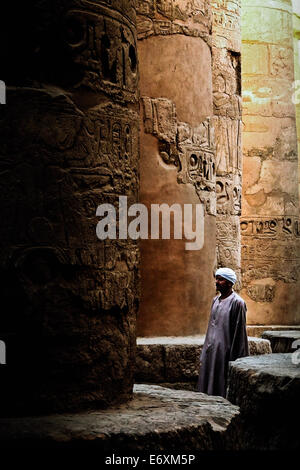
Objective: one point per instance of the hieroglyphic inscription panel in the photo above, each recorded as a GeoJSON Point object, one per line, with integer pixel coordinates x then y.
{"type": "Point", "coordinates": [227, 102]}
{"type": "Point", "coordinates": [190, 149]}
{"type": "Point", "coordinates": [165, 17]}
{"type": "Point", "coordinates": [270, 250]}
{"type": "Point", "coordinates": [102, 43]}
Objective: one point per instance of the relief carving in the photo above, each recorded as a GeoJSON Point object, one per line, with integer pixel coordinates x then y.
{"type": "Point", "coordinates": [281, 63]}
{"type": "Point", "coordinates": [228, 244]}
{"type": "Point", "coordinates": [190, 149]}
{"type": "Point", "coordinates": [285, 270]}
{"type": "Point", "coordinates": [103, 46]}
{"type": "Point", "coordinates": [70, 143]}
{"type": "Point", "coordinates": [229, 196]}
{"type": "Point", "coordinates": [167, 17]}
{"type": "Point", "coordinates": [228, 139]}
{"type": "Point", "coordinates": [227, 107]}
{"type": "Point", "coordinates": [273, 243]}
{"type": "Point", "coordinates": [276, 228]}
{"type": "Point", "coordinates": [261, 292]}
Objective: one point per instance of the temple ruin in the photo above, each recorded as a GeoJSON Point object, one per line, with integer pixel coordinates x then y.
{"type": "Point", "coordinates": [169, 102]}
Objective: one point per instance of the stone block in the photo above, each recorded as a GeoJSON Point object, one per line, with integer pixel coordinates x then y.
{"type": "Point", "coordinates": [156, 420]}
{"type": "Point", "coordinates": [267, 96]}
{"type": "Point", "coordinates": [267, 389]}
{"type": "Point", "coordinates": [175, 360]}
{"type": "Point", "coordinates": [268, 25]}
{"type": "Point", "coordinates": [150, 365]}
{"type": "Point", "coordinates": [256, 59]}
{"type": "Point", "coordinates": [281, 62]}
{"type": "Point", "coordinates": [252, 167]}
{"type": "Point", "coordinates": [258, 330]}
{"type": "Point", "coordinates": [258, 346]}
{"type": "Point", "coordinates": [182, 362]}
{"type": "Point", "coordinates": [283, 341]}
{"type": "Point", "coordinates": [277, 176]}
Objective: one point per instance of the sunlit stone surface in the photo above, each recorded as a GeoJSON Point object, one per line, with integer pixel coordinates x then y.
{"type": "Point", "coordinates": [269, 223]}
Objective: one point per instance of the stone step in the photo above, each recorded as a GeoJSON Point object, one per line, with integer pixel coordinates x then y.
{"type": "Point", "coordinates": [156, 420]}
{"type": "Point", "coordinates": [173, 359]}
{"type": "Point", "coordinates": [283, 341]}
{"type": "Point", "coordinates": [267, 390]}
{"type": "Point", "coordinates": [258, 330]}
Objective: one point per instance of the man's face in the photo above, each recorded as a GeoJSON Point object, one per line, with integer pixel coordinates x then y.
{"type": "Point", "coordinates": [222, 285]}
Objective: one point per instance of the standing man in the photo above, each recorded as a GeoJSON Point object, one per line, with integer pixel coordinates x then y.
{"type": "Point", "coordinates": [226, 337]}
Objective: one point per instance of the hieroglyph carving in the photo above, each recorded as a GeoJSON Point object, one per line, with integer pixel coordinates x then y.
{"type": "Point", "coordinates": [270, 249]}
{"type": "Point", "coordinates": [69, 143]}
{"type": "Point", "coordinates": [225, 14]}
{"type": "Point", "coordinates": [165, 17]}
{"type": "Point", "coordinates": [190, 149]}
{"type": "Point", "coordinates": [103, 45]}
{"type": "Point", "coordinates": [276, 227]}
{"type": "Point", "coordinates": [99, 150]}
{"type": "Point", "coordinates": [228, 248]}
{"type": "Point", "coordinates": [228, 137]}
{"type": "Point", "coordinates": [229, 195]}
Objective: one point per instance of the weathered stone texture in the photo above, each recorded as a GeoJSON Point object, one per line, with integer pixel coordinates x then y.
{"type": "Point", "coordinates": [69, 143]}
{"type": "Point", "coordinates": [226, 69]}
{"type": "Point", "coordinates": [178, 163]}
{"type": "Point", "coordinates": [156, 420]}
{"type": "Point", "coordinates": [267, 390]}
{"type": "Point", "coordinates": [165, 17]}
{"type": "Point", "coordinates": [258, 346]}
{"type": "Point", "coordinates": [296, 26]}
{"type": "Point", "coordinates": [175, 360]}
{"type": "Point", "coordinates": [258, 330]}
{"type": "Point", "coordinates": [283, 341]}
{"type": "Point", "coordinates": [270, 217]}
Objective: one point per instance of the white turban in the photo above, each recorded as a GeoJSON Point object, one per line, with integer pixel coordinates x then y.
{"type": "Point", "coordinates": [227, 273]}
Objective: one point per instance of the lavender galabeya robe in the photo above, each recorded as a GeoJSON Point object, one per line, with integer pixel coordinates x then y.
{"type": "Point", "coordinates": [226, 340]}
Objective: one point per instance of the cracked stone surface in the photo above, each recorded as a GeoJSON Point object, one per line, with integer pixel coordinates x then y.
{"type": "Point", "coordinates": [156, 419]}
{"type": "Point", "coordinates": [283, 341]}
{"type": "Point", "coordinates": [267, 389]}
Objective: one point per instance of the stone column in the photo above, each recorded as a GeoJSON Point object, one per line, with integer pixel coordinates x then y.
{"type": "Point", "coordinates": [177, 160]}
{"type": "Point", "coordinates": [69, 141]}
{"type": "Point", "coordinates": [269, 226]}
{"type": "Point", "coordinates": [226, 53]}
{"type": "Point", "coordinates": [296, 26]}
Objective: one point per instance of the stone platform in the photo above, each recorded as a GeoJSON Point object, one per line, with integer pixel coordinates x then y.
{"type": "Point", "coordinates": [156, 420]}
{"type": "Point", "coordinates": [283, 341]}
{"type": "Point", "coordinates": [258, 330]}
{"type": "Point", "coordinates": [267, 390]}
{"type": "Point", "coordinates": [175, 360]}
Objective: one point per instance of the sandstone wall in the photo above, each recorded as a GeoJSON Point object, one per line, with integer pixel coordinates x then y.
{"type": "Point", "coordinates": [269, 226]}
{"type": "Point", "coordinates": [69, 139]}
{"type": "Point", "coordinates": [177, 160]}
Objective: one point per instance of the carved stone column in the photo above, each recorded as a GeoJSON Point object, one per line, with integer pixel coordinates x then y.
{"type": "Point", "coordinates": [177, 160]}
{"type": "Point", "coordinates": [227, 121]}
{"type": "Point", "coordinates": [270, 225]}
{"type": "Point", "coordinates": [69, 142]}
{"type": "Point", "coordinates": [296, 26]}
